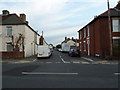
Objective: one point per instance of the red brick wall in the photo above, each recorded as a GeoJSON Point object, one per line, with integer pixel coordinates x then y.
{"type": "Point", "coordinates": [99, 38]}
{"type": "Point", "coordinates": [105, 39]}
{"type": "Point", "coordinates": [10, 55]}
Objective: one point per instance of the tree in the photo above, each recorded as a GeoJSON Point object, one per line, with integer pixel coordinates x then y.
{"type": "Point", "coordinates": [58, 46]}
{"type": "Point", "coordinates": [18, 42]}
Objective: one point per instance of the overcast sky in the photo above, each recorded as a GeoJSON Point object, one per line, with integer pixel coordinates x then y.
{"type": "Point", "coordinates": [57, 18]}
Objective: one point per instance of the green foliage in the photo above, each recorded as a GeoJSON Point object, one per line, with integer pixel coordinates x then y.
{"type": "Point", "coordinates": [58, 46]}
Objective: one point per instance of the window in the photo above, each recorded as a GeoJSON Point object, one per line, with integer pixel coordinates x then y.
{"type": "Point", "coordinates": [80, 46]}
{"type": "Point", "coordinates": [9, 47]}
{"type": "Point", "coordinates": [116, 46]}
{"type": "Point", "coordinates": [84, 33]}
{"type": "Point", "coordinates": [9, 31]}
{"type": "Point", "coordinates": [116, 25]}
{"type": "Point", "coordinates": [80, 35]}
{"type": "Point", "coordinates": [84, 45]}
{"type": "Point", "coordinates": [88, 31]}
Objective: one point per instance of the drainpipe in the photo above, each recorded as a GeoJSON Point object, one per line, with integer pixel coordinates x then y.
{"type": "Point", "coordinates": [110, 30]}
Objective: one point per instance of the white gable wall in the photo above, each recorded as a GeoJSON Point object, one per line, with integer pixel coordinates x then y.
{"type": "Point", "coordinates": [5, 39]}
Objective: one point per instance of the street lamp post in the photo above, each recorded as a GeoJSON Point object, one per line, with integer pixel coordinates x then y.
{"type": "Point", "coordinates": [110, 31]}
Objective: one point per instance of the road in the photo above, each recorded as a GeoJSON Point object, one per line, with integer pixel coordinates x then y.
{"type": "Point", "coordinates": [60, 71]}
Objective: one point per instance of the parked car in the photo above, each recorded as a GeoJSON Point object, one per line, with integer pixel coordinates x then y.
{"type": "Point", "coordinates": [60, 50]}
{"type": "Point", "coordinates": [74, 51]}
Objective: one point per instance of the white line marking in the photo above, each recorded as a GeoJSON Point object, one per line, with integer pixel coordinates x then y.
{"type": "Point", "coordinates": [88, 59]}
{"type": "Point", "coordinates": [62, 59]}
{"type": "Point", "coordinates": [76, 62]}
{"type": "Point", "coordinates": [57, 62]}
{"type": "Point", "coordinates": [48, 62]}
{"type": "Point", "coordinates": [117, 73]}
{"type": "Point", "coordinates": [67, 62]}
{"type": "Point", "coordinates": [85, 62]}
{"type": "Point", "coordinates": [34, 60]}
{"type": "Point", "coordinates": [46, 73]}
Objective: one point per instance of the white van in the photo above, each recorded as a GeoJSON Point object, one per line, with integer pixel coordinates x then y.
{"type": "Point", "coordinates": [43, 51]}
{"type": "Point", "coordinates": [65, 47]}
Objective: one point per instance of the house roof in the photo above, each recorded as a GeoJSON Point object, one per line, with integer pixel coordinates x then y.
{"type": "Point", "coordinates": [68, 39]}
{"type": "Point", "coordinates": [14, 19]}
{"type": "Point", "coordinates": [114, 12]}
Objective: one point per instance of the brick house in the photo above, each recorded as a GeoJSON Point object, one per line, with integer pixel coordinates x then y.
{"type": "Point", "coordinates": [17, 38]}
{"type": "Point", "coordinates": [95, 38]}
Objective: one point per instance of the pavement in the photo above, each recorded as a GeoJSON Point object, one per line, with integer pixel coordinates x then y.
{"type": "Point", "coordinates": [99, 60]}
{"type": "Point", "coordinates": [22, 60]}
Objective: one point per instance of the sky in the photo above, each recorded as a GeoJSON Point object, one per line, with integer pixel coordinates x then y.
{"type": "Point", "coordinates": [57, 18]}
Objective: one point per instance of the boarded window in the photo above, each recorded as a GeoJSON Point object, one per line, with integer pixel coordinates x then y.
{"type": "Point", "coordinates": [9, 31]}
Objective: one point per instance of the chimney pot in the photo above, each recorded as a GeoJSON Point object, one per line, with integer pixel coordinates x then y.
{"type": "Point", "coordinates": [5, 12]}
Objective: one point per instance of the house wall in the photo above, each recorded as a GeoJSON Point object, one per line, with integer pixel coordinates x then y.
{"type": "Point", "coordinates": [71, 43]}
{"type": "Point", "coordinates": [99, 38]}
{"type": "Point", "coordinates": [104, 35]}
{"type": "Point", "coordinates": [30, 45]}
{"type": "Point", "coordinates": [5, 39]}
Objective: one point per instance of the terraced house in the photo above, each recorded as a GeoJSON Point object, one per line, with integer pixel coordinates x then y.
{"type": "Point", "coordinates": [96, 39]}
{"type": "Point", "coordinates": [17, 38]}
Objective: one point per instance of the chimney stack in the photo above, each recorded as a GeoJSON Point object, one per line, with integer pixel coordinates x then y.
{"type": "Point", "coordinates": [23, 17]}
{"type": "Point", "coordinates": [118, 5]}
{"type": "Point", "coordinates": [5, 12]}
{"type": "Point", "coordinates": [41, 40]}
{"type": "Point", "coordinates": [65, 38]}
{"type": "Point", "coordinates": [72, 38]}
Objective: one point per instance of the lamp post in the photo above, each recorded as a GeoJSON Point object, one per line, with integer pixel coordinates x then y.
{"type": "Point", "coordinates": [110, 30]}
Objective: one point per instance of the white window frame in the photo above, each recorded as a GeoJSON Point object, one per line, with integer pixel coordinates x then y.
{"type": "Point", "coordinates": [84, 32]}
{"type": "Point", "coordinates": [84, 45]}
{"type": "Point", "coordinates": [7, 47]}
{"type": "Point", "coordinates": [116, 28]}
{"type": "Point", "coordinates": [80, 35]}
{"type": "Point", "coordinates": [8, 28]}
{"type": "Point", "coordinates": [80, 46]}
{"type": "Point", "coordinates": [88, 31]}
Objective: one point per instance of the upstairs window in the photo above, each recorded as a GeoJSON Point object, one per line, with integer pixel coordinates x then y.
{"type": "Point", "coordinates": [116, 25]}
{"type": "Point", "coordinates": [88, 31]}
{"type": "Point", "coordinates": [9, 31]}
{"type": "Point", "coordinates": [84, 32]}
{"type": "Point", "coordinates": [80, 35]}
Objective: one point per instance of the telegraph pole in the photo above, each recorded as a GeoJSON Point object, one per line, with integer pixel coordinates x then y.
{"type": "Point", "coordinates": [110, 30]}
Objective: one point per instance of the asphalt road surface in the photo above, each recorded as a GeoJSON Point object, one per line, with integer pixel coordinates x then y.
{"type": "Point", "coordinates": [60, 71]}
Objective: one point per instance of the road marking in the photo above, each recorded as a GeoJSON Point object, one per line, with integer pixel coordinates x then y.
{"type": "Point", "coordinates": [48, 62]}
{"type": "Point", "coordinates": [85, 62]}
{"type": "Point", "coordinates": [75, 62]}
{"type": "Point", "coordinates": [117, 73]}
{"type": "Point", "coordinates": [46, 73]}
{"type": "Point", "coordinates": [88, 59]}
{"type": "Point", "coordinates": [63, 59]}
{"type": "Point", "coordinates": [34, 60]}
{"type": "Point", "coordinates": [57, 62]}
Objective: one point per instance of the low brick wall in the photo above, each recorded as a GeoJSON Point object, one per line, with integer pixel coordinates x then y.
{"type": "Point", "coordinates": [12, 55]}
